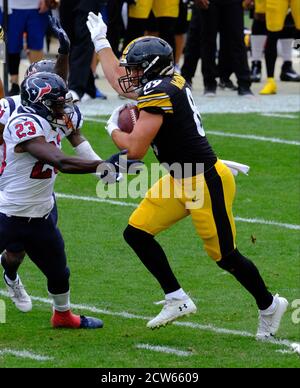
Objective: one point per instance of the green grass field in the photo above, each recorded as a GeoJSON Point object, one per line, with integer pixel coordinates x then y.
{"type": "Point", "coordinates": [108, 278]}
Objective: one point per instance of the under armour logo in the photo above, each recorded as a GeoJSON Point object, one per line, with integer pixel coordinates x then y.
{"type": "Point", "coordinates": [296, 44]}
{"type": "Point", "coordinates": [182, 307]}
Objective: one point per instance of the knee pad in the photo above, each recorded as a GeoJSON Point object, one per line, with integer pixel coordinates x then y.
{"type": "Point", "coordinates": [134, 236]}
{"type": "Point", "coordinates": [230, 262]}
{"type": "Point", "coordinates": [13, 258]}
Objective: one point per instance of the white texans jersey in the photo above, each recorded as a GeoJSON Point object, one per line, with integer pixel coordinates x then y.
{"type": "Point", "coordinates": [9, 105]}
{"type": "Point", "coordinates": [26, 184]}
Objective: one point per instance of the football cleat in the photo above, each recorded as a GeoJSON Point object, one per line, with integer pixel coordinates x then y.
{"type": "Point", "coordinates": [244, 91]}
{"type": "Point", "coordinates": [90, 322]}
{"type": "Point", "coordinates": [210, 92]}
{"type": "Point", "coordinates": [268, 324]}
{"type": "Point", "coordinates": [173, 309]}
{"type": "Point", "coordinates": [269, 88]}
{"type": "Point", "coordinates": [288, 73]}
{"type": "Point", "coordinates": [255, 73]}
{"type": "Point", "coordinates": [68, 320]}
{"type": "Point", "coordinates": [227, 84]}
{"type": "Point", "coordinates": [19, 295]}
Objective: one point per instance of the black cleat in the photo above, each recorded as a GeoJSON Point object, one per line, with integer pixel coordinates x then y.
{"type": "Point", "coordinates": [227, 84]}
{"type": "Point", "coordinates": [245, 91]}
{"type": "Point", "coordinates": [288, 73]}
{"type": "Point", "coordinates": [255, 73]}
{"type": "Point", "coordinates": [90, 323]}
{"type": "Point", "coordinates": [210, 92]}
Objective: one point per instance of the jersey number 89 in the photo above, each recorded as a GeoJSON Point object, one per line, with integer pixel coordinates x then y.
{"type": "Point", "coordinates": [197, 117]}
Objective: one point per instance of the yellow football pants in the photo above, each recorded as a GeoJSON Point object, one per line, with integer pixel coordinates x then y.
{"type": "Point", "coordinates": [276, 11]}
{"type": "Point", "coordinates": [161, 8]}
{"type": "Point", "coordinates": [208, 200]}
{"type": "Point", "coordinates": [260, 6]}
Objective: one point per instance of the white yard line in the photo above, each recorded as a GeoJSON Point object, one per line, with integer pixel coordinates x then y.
{"type": "Point", "coordinates": [124, 314]}
{"type": "Point", "coordinates": [87, 118]}
{"type": "Point", "coordinates": [24, 354]}
{"type": "Point", "coordinates": [229, 134]}
{"type": "Point", "coordinates": [279, 115]}
{"type": "Point", "coordinates": [134, 205]}
{"type": "Point", "coordinates": [164, 349]}
{"type": "Point", "coordinates": [254, 137]}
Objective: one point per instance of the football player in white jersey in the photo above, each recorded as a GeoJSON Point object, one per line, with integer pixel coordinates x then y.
{"type": "Point", "coordinates": [14, 254]}
{"type": "Point", "coordinates": [32, 158]}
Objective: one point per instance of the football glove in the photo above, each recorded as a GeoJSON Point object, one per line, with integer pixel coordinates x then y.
{"type": "Point", "coordinates": [98, 30]}
{"type": "Point", "coordinates": [112, 122]}
{"type": "Point", "coordinates": [109, 177]}
{"type": "Point", "coordinates": [119, 164]}
{"type": "Point", "coordinates": [61, 35]}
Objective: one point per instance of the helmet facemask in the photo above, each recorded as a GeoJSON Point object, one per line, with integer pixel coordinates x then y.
{"type": "Point", "coordinates": [61, 112]}
{"type": "Point", "coordinates": [133, 80]}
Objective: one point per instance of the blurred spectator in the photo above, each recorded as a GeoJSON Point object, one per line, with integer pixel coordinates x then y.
{"type": "Point", "coordinates": [193, 47]}
{"type": "Point", "coordinates": [73, 14]}
{"type": "Point", "coordinates": [30, 17]}
{"type": "Point", "coordinates": [115, 25]}
{"type": "Point", "coordinates": [226, 16]}
{"type": "Point", "coordinates": [275, 18]}
{"type": "Point", "coordinates": [181, 29]}
{"type": "Point", "coordinates": [258, 42]}
{"type": "Point", "coordinates": [166, 12]}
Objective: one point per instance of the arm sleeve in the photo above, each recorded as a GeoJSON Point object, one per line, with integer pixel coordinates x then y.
{"type": "Point", "coordinates": [7, 107]}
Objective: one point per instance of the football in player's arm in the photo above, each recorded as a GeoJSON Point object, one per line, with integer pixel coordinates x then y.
{"type": "Point", "coordinates": [169, 120]}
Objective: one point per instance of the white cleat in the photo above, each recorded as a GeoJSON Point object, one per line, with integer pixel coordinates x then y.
{"type": "Point", "coordinates": [173, 309]}
{"type": "Point", "coordinates": [268, 324]}
{"type": "Point", "coordinates": [19, 296]}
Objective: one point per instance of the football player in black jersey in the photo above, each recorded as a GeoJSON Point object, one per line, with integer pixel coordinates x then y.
{"type": "Point", "coordinates": [170, 122]}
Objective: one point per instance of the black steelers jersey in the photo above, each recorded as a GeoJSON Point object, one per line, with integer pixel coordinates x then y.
{"type": "Point", "coordinates": [181, 138]}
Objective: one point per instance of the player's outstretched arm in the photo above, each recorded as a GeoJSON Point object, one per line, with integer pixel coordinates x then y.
{"type": "Point", "coordinates": [62, 62]}
{"type": "Point", "coordinates": [50, 154]}
{"type": "Point", "coordinates": [109, 62]}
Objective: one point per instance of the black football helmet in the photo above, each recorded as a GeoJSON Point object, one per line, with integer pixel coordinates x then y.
{"type": "Point", "coordinates": [46, 94]}
{"type": "Point", "coordinates": [150, 57]}
{"type": "Point", "coordinates": [47, 65]}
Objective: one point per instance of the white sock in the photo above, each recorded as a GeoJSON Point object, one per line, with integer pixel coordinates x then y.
{"type": "Point", "coordinates": [61, 302]}
{"type": "Point", "coordinates": [11, 282]}
{"type": "Point", "coordinates": [286, 49]}
{"type": "Point", "coordinates": [270, 310]}
{"type": "Point", "coordinates": [179, 294]}
{"type": "Point", "coordinates": [257, 46]}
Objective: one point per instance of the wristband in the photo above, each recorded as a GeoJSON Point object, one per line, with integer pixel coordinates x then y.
{"type": "Point", "coordinates": [100, 44]}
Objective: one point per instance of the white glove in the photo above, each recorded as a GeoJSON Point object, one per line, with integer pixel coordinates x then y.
{"type": "Point", "coordinates": [98, 30]}
{"type": "Point", "coordinates": [112, 122]}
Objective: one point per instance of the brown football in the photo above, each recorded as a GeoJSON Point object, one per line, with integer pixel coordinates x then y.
{"type": "Point", "coordinates": [128, 117]}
